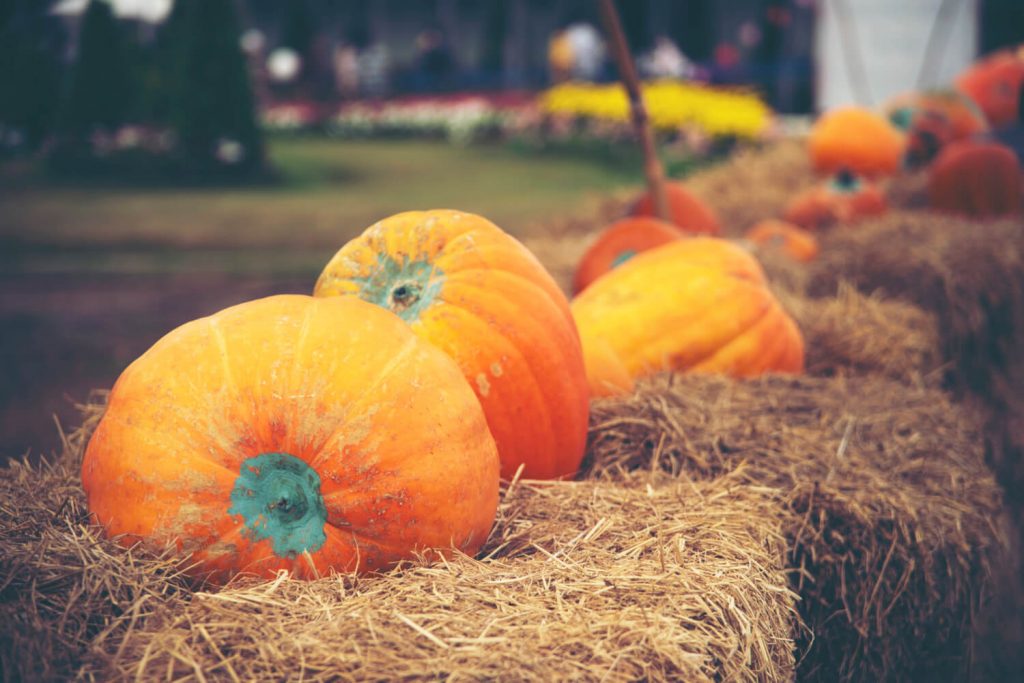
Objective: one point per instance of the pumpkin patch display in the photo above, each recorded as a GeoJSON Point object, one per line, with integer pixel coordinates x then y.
{"type": "Point", "coordinates": [293, 433]}
{"type": "Point", "coordinates": [792, 240]}
{"type": "Point", "coordinates": [855, 139]}
{"type": "Point", "coordinates": [994, 83]}
{"type": "Point", "coordinates": [685, 211]}
{"type": "Point", "coordinates": [933, 119]}
{"type": "Point", "coordinates": [843, 199]}
{"type": "Point", "coordinates": [980, 179]}
{"type": "Point", "coordinates": [620, 242]}
{"type": "Point", "coordinates": [700, 305]}
{"type": "Point", "coordinates": [475, 292]}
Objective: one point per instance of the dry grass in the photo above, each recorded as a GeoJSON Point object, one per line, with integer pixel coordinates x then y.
{"type": "Point", "coordinates": [648, 577]}
{"type": "Point", "coordinates": [889, 506]}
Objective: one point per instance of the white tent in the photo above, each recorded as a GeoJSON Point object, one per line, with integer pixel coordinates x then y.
{"type": "Point", "coordinates": [153, 11]}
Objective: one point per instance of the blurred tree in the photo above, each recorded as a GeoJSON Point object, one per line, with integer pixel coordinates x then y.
{"type": "Point", "coordinates": [31, 41]}
{"type": "Point", "coordinates": [213, 111]}
{"type": "Point", "coordinates": [100, 94]}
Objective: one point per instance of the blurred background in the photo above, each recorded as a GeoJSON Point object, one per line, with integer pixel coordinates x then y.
{"type": "Point", "coordinates": [163, 159]}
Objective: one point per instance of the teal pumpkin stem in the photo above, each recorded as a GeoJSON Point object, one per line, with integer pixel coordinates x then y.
{"type": "Point", "coordinates": [622, 257]}
{"type": "Point", "coordinates": [845, 181]}
{"type": "Point", "coordinates": [278, 497]}
{"type": "Point", "coordinates": [406, 288]}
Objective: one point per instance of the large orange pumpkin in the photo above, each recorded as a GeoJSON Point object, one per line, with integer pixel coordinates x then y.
{"type": "Point", "coordinates": [478, 294]}
{"type": "Point", "coordinates": [855, 139]}
{"type": "Point", "coordinates": [933, 119]}
{"type": "Point", "coordinates": [293, 433]}
{"type": "Point", "coordinates": [694, 305]}
{"type": "Point", "coordinates": [995, 83]}
{"type": "Point", "coordinates": [792, 240]}
{"type": "Point", "coordinates": [976, 178]}
{"type": "Point", "coordinates": [620, 242]}
{"type": "Point", "coordinates": [684, 210]}
{"type": "Point", "coordinates": [844, 199]}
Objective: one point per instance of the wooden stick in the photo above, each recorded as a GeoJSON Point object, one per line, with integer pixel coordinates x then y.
{"type": "Point", "coordinates": [641, 123]}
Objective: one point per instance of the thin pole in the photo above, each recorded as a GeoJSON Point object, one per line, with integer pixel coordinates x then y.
{"type": "Point", "coordinates": [641, 123]}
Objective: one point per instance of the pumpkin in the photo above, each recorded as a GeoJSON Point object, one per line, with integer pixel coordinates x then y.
{"type": "Point", "coordinates": [855, 139]}
{"type": "Point", "coordinates": [293, 433]}
{"type": "Point", "coordinates": [933, 119]}
{"type": "Point", "coordinates": [479, 295]}
{"type": "Point", "coordinates": [684, 210]}
{"type": "Point", "coordinates": [792, 240]}
{"type": "Point", "coordinates": [606, 375]}
{"type": "Point", "coordinates": [620, 242]}
{"type": "Point", "coordinates": [843, 199]}
{"type": "Point", "coordinates": [995, 83]}
{"type": "Point", "coordinates": [976, 178]}
{"type": "Point", "coordinates": [700, 304]}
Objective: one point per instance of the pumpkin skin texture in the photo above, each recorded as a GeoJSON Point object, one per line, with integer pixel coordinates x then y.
{"type": "Point", "coordinates": [685, 211]}
{"type": "Point", "coordinates": [618, 243]}
{"type": "Point", "coordinates": [994, 83]}
{"type": "Point", "coordinates": [857, 140]}
{"type": "Point", "coordinates": [844, 199]}
{"type": "Point", "coordinates": [977, 179]}
{"type": "Point", "coordinates": [606, 375]}
{"type": "Point", "coordinates": [794, 241]}
{"type": "Point", "coordinates": [695, 305]}
{"type": "Point", "coordinates": [933, 119]}
{"type": "Point", "coordinates": [479, 295]}
{"type": "Point", "coordinates": [293, 433]}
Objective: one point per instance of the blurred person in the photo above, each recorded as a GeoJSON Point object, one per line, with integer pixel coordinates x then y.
{"type": "Point", "coordinates": [346, 70]}
{"type": "Point", "coordinates": [374, 63]}
{"type": "Point", "coordinates": [666, 60]}
{"type": "Point", "coordinates": [588, 51]}
{"type": "Point", "coordinates": [560, 56]}
{"type": "Point", "coordinates": [434, 63]}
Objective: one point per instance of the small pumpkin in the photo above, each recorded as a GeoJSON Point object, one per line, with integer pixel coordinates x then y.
{"type": "Point", "coordinates": [620, 242]}
{"type": "Point", "coordinates": [980, 179]}
{"type": "Point", "coordinates": [994, 83]}
{"type": "Point", "coordinates": [293, 433]}
{"type": "Point", "coordinates": [791, 239]}
{"type": "Point", "coordinates": [700, 304]}
{"type": "Point", "coordinates": [844, 199]}
{"type": "Point", "coordinates": [933, 119]}
{"type": "Point", "coordinates": [475, 292]}
{"type": "Point", "coordinates": [855, 139]}
{"type": "Point", "coordinates": [685, 210]}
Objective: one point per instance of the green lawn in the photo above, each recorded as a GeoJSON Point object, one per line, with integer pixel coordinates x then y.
{"type": "Point", "coordinates": [330, 191]}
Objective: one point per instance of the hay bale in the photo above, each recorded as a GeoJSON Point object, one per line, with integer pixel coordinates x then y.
{"type": "Point", "coordinates": [890, 505]}
{"type": "Point", "coordinates": [865, 334]}
{"type": "Point", "coordinates": [754, 183]}
{"type": "Point", "coordinates": [647, 577]}
{"type": "Point", "coordinates": [970, 275]}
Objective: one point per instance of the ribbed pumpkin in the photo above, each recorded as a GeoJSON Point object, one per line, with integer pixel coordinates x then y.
{"type": "Point", "coordinates": [479, 295]}
{"type": "Point", "coordinates": [855, 139]}
{"type": "Point", "coordinates": [995, 83]}
{"type": "Point", "coordinates": [843, 199]}
{"type": "Point", "coordinates": [606, 374]}
{"type": "Point", "coordinates": [620, 242]}
{"type": "Point", "coordinates": [792, 240]}
{"type": "Point", "coordinates": [700, 304]}
{"type": "Point", "coordinates": [293, 433]}
{"type": "Point", "coordinates": [976, 178]}
{"type": "Point", "coordinates": [931, 120]}
{"type": "Point", "coordinates": [687, 212]}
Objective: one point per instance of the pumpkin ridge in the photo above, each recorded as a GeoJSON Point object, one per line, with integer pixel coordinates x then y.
{"type": "Point", "coordinates": [356, 405]}
{"type": "Point", "coordinates": [766, 351]}
{"type": "Point", "coordinates": [730, 340]}
{"type": "Point", "coordinates": [222, 344]}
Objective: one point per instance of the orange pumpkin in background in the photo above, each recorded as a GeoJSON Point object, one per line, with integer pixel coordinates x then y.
{"type": "Point", "coordinates": [792, 240]}
{"type": "Point", "coordinates": [976, 178]}
{"type": "Point", "coordinates": [933, 119]}
{"type": "Point", "coordinates": [855, 139]}
{"type": "Point", "coordinates": [620, 242]}
{"type": "Point", "coordinates": [475, 292]}
{"type": "Point", "coordinates": [994, 83]}
{"type": "Point", "coordinates": [685, 211]}
{"type": "Point", "coordinates": [700, 304]}
{"type": "Point", "coordinates": [293, 433]}
{"type": "Point", "coordinates": [845, 199]}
